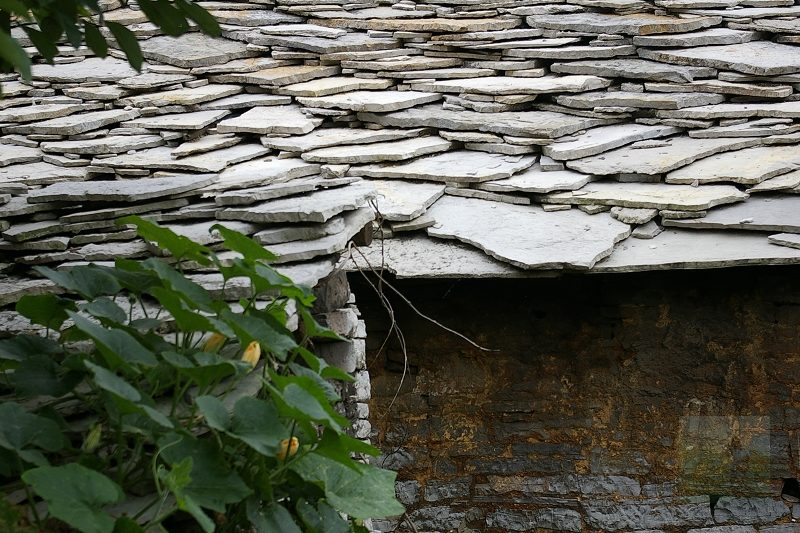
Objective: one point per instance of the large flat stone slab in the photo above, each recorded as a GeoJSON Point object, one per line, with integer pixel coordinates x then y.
{"type": "Point", "coordinates": [278, 76]}
{"type": "Point", "coordinates": [759, 213]}
{"type": "Point", "coordinates": [374, 101]}
{"type": "Point", "coordinates": [460, 166]}
{"type": "Point", "coordinates": [499, 85]}
{"type": "Point", "coordinates": [638, 100]}
{"type": "Point", "coordinates": [193, 50]}
{"type": "Point", "coordinates": [404, 200]}
{"type": "Point", "coordinates": [527, 236]}
{"type": "Point", "coordinates": [40, 173]}
{"type": "Point", "coordinates": [318, 206]}
{"type": "Point", "coordinates": [11, 154]}
{"type": "Point", "coordinates": [261, 172]}
{"type": "Point", "coordinates": [598, 140]}
{"type": "Point", "coordinates": [679, 249]}
{"type": "Point", "coordinates": [535, 180]}
{"type": "Point", "coordinates": [377, 152]}
{"type": "Point", "coordinates": [75, 124]}
{"type": "Point", "coordinates": [324, 137]}
{"type": "Point", "coordinates": [762, 58]}
{"type": "Point", "coordinates": [119, 190]}
{"type": "Point", "coordinates": [419, 256]}
{"type": "Point", "coordinates": [638, 24]}
{"type": "Point", "coordinates": [709, 37]}
{"type": "Point", "coordinates": [747, 167]}
{"type": "Point", "coordinates": [161, 158]}
{"type": "Point", "coordinates": [334, 85]}
{"type": "Point", "coordinates": [425, 25]}
{"type": "Point", "coordinates": [649, 196]}
{"type": "Point", "coordinates": [717, 111]}
{"type": "Point", "coordinates": [186, 96]}
{"type": "Point", "coordinates": [659, 158]}
{"type": "Point", "coordinates": [92, 69]}
{"type": "Point", "coordinates": [638, 69]}
{"type": "Point", "coordinates": [196, 120]}
{"type": "Point", "coordinates": [573, 52]}
{"type": "Point", "coordinates": [111, 144]}
{"type": "Point", "coordinates": [541, 124]}
{"type": "Point", "coordinates": [30, 113]}
{"type": "Point", "coordinates": [354, 221]}
{"type": "Point", "coordinates": [324, 45]}
{"type": "Point", "coordinates": [286, 119]}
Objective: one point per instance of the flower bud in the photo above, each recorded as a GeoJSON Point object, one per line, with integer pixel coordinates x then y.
{"type": "Point", "coordinates": [92, 440]}
{"type": "Point", "coordinates": [214, 342]}
{"type": "Point", "coordinates": [252, 354]}
{"type": "Point", "coordinates": [288, 448]}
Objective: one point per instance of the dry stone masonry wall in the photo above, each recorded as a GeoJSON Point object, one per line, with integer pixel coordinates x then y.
{"type": "Point", "coordinates": [491, 138]}
{"type": "Point", "coordinates": [659, 402]}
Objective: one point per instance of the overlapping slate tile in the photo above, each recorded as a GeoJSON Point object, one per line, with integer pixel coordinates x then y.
{"type": "Point", "coordinates": [525, 236]}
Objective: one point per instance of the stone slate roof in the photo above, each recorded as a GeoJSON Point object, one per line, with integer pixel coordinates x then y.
{"type": "Point", "coordinates": [494, 138]}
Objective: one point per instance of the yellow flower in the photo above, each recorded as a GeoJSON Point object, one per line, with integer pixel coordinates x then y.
{"type": "Point", "coordinates": [252, 354]}
{"type": "Point", "coordinates": [288, 449]}
{"type": "Point", "coordinates": [214, 342]}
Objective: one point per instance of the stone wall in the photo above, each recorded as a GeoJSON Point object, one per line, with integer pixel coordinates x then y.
{"type": "Point", "coordinates": [661, 401]}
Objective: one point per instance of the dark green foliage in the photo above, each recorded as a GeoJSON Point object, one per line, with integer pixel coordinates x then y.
{"type": "Point", "coordinates": [148, 396]}
{"type": "Point", "coordinates": [48, 23]}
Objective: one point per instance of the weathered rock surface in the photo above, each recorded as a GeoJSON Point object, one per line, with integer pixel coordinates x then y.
{"type": "Point", "coordinates": [525, 236]}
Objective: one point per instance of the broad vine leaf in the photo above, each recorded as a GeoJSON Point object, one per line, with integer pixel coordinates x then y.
{"type": "Point", "coordinates": [21, 430]}
{"type": "Point", "coordinates": [178, 245]}
{"type": "Point", "coordinates": [88, 281]}
{"type": "Point", "coordinates": [128, 43]}
{"type": "Point", "coordinates": [47, 310]}
{"type": "Point", "coordinates": [213, 484]}
{"type": "Point", "coordinates": [254, 422]}
{"type": "Point", "coordinates": [272, 518]}
{"type": "Point", "coordinates": [21, 347]}
{"type": "Point", "coordinates": [321, 519]}
{"type": "Point", "coordinates": [40, 375]}
{"type": "Point", "coordinates": [116, 344]}
{"type": "Point", "coordinates": [76, 495]}
{"type": "Point", "coordinates": [365, 494]}
{"type": "Point", "coordinates": [177, 479]}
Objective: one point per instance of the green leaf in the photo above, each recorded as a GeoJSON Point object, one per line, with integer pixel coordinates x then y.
{"type": "Point", "coordinates": [128, 43]}
{"type": "Point", "coordinates": [177, 479]}
{"type": "Point", "coordinates": [40, 375]}
{"type": "Point", "coordinates": [238, 242]}
{"type": "Point", "coordinates": [22, 347]}
{"type": "Point", "coordinates": [118, 346]}
{"type": "Point", "coordinates": [127, 525]}
{"type": "Point", "coordinates": [112, 383]}
{"type": "Point", "coordinates": [213, 484]}
{"type": "Point", "coordinates": [14, 6]}
{"type": "Point", "coordinates": [105, 308]}
{"type": "Point", "coordinates": [76, 495]}
{"type": "Point", "coordinates": [188, 290]}
{"type": "Point", "coordinates": [186, 320]}
{"type": "Point", "coordinates": [89, 281]}
{"type": "Point", "coordinates": [95, 39]}
{"type": "Point", "coordinates": [273, 337]}
{"type": "Point", "coordinates": [206, 367]}
{"type": "Point", "coordinates": [272, 518]}
{"type": "Point", "coordinates": [47, 310]}
{"type": "Point", "coordinates": [302, 398]}
{"type": "Point", "coordinates": [44, 44]}
{"type": "Point", "coordinates": [165, 16]}
{"type": "Point", "coordinates": [20, 430]}
{"type": "Point", "coordinates": [207, 23]}
{"type": "Point", "coordinates": [215, 413]}
{"type": "Point", "coordinates": [340, 447]}
{"type": "Point", "coordinates": [322, 519]}
{"type": "Point", "coordinates": [254, 422]}
{"type": "Point", "coordinates": [179, 246]}
{"type": "Point", "coordinates": [366, 494]}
